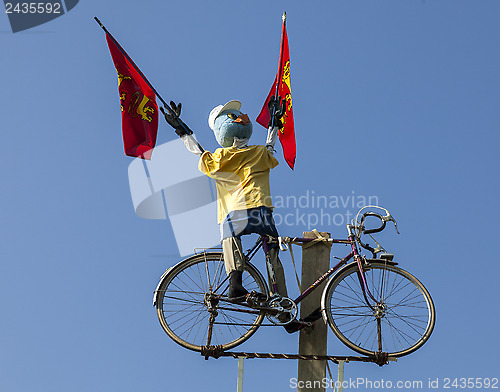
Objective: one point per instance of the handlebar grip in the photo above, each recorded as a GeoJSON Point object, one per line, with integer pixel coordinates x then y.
{"type": "Point", "coordinates": [382, 227]}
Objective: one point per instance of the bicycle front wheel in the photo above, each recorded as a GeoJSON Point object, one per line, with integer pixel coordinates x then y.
{"type": "Point", "coordinates": [192, 304]}
{"type": "Point", "coordinates": [398, 323]}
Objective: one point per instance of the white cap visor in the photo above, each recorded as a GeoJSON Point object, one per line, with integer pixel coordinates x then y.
{"type": "Point", "coordinates": [231, 105]}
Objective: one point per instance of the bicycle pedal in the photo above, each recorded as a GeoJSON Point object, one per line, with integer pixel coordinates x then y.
{"type": "Point", "coordinates": [257, 295]}
{"type": "Point", "coordinates": [238, 299]}
{"type": "Point", "coordinates": [255, 299]}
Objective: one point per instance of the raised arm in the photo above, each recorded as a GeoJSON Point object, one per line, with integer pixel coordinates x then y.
{"type": "Point", "coordinates": [181, 129]}
{"type": "Point", "coordinates": [192, 144]}
{"type": "Point", "coordinates": [272, 135]}
{"type": "Point", "coordinates": [275, 124]}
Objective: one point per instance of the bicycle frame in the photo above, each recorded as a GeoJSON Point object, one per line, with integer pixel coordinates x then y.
{"type": "Point", "coordinates": [354, 253]}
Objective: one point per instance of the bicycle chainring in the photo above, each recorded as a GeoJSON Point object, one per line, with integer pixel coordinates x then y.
{"type": "Point", "coordinates": [286, 308]}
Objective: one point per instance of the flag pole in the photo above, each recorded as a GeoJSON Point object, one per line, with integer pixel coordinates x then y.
{"type": "Point", "coordinates": [131, 62]}
{"type": "Point", "coordinates": [280, 69]}
{"type": "Point", "coordinates": [167, 106]}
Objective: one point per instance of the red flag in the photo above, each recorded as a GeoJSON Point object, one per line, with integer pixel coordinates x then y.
{"type": "Point", "coordinates": [138, 104]}
{"type": "Point", "coordinates": [287, 133]}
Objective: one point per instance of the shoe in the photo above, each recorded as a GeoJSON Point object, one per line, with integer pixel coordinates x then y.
{"type": "Point", "coordinates": [313, 316]}
{"type": "Point", "coordinates": [236, 289]}
{"type": "Point", "coordinates": [294, 326]}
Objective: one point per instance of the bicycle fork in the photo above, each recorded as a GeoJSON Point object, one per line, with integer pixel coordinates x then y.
{"type": "Point", "coordinates": [380, 308]}
{"type": "Point", "coordinates": [211, 302]}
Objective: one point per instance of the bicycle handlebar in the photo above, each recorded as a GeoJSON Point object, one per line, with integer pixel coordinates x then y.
{"type": "Point", "coordinates": [384, 218]}
{"type": "Point", "coordinates": [361, 228]}
{"type": "Point", "coordinates": [377, 230]}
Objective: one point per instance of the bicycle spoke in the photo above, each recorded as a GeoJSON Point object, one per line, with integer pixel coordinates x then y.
{"type": "Point", "coordinates": [230, 330]}
{"type": "Point", "coordinates": [194, 300]}
{"type": "Point", "coordinates": [180, 284]}
{"type": "Point", "coordinates": [357, 290]}
{"type": "Point", "coordinates": [218, 275]}
{"type": "Point", "coordinates": [353, 300]}
{"type": "Point", "coordinates": [181, 310]}
{"type": "Point", "coordinates": [187, 321]}
{"type": "Point", "coordinates": [404, 301]}
{"type": "Point", "coordinates": [356, 326]}
{"type": "Point", "coordinates": [360, 330]}
{"type": "Point", "coordinates": [400, 332]}
{"type": "Point", "coordinates": [406, 319]}
{"type": "Point", "coordinates": [196, 323]}
{"type": "Point", "coordinates": [197, 279]}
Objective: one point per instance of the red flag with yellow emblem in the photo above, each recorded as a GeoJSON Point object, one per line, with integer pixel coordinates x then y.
{"type": "Point", "coordinates": [281, 87]}
{"type": "Point", "coordinates": [138, 104]}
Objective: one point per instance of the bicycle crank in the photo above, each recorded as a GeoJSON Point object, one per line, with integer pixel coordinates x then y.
{"type": "Point", "coordinates": [282, 310]}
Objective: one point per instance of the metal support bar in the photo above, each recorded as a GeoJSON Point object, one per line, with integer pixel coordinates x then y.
{"type": "Point", "coordinates": [340, 377]}
{"type": "Point", "coordinates": [215, 352]}
{"type": "Point", "coordinates": [241, 364]}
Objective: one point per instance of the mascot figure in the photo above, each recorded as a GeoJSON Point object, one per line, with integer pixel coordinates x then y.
{"type": "Point", "coordinates": [241, 173]}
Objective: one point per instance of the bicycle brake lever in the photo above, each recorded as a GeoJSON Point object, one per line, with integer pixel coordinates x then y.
{"type": "Point", "coordinates": [395, 223]}
{"type": "Point", "coordinates": [389, 218]}
{"type": "Point", "coordinates": [396, 226]}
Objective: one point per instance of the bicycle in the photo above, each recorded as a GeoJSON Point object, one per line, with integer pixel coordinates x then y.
{"type": "Point", "coordinates": [370, 304]}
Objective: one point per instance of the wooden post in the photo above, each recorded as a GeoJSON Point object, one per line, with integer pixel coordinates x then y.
{"type": "Point", "coordinates": [315, 262]}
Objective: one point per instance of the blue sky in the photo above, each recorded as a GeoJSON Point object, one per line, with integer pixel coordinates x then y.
{"type": "Point", "coordinates": [394, 99]}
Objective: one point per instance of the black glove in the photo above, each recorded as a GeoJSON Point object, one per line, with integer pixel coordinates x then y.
{"type": "Point", "coordinates": [174, 121]}
{"type": "Point", "coordinates": [278, 114]}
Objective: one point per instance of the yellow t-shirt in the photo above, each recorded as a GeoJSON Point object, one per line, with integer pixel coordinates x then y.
{"type": "Point", "coordinates": [241, 176]}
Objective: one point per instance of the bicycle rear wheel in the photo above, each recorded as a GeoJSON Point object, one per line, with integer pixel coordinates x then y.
{"type": "Point", "coordinates": [401, 320]}
{"type": "Point", "coordinates": [192, 304]}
